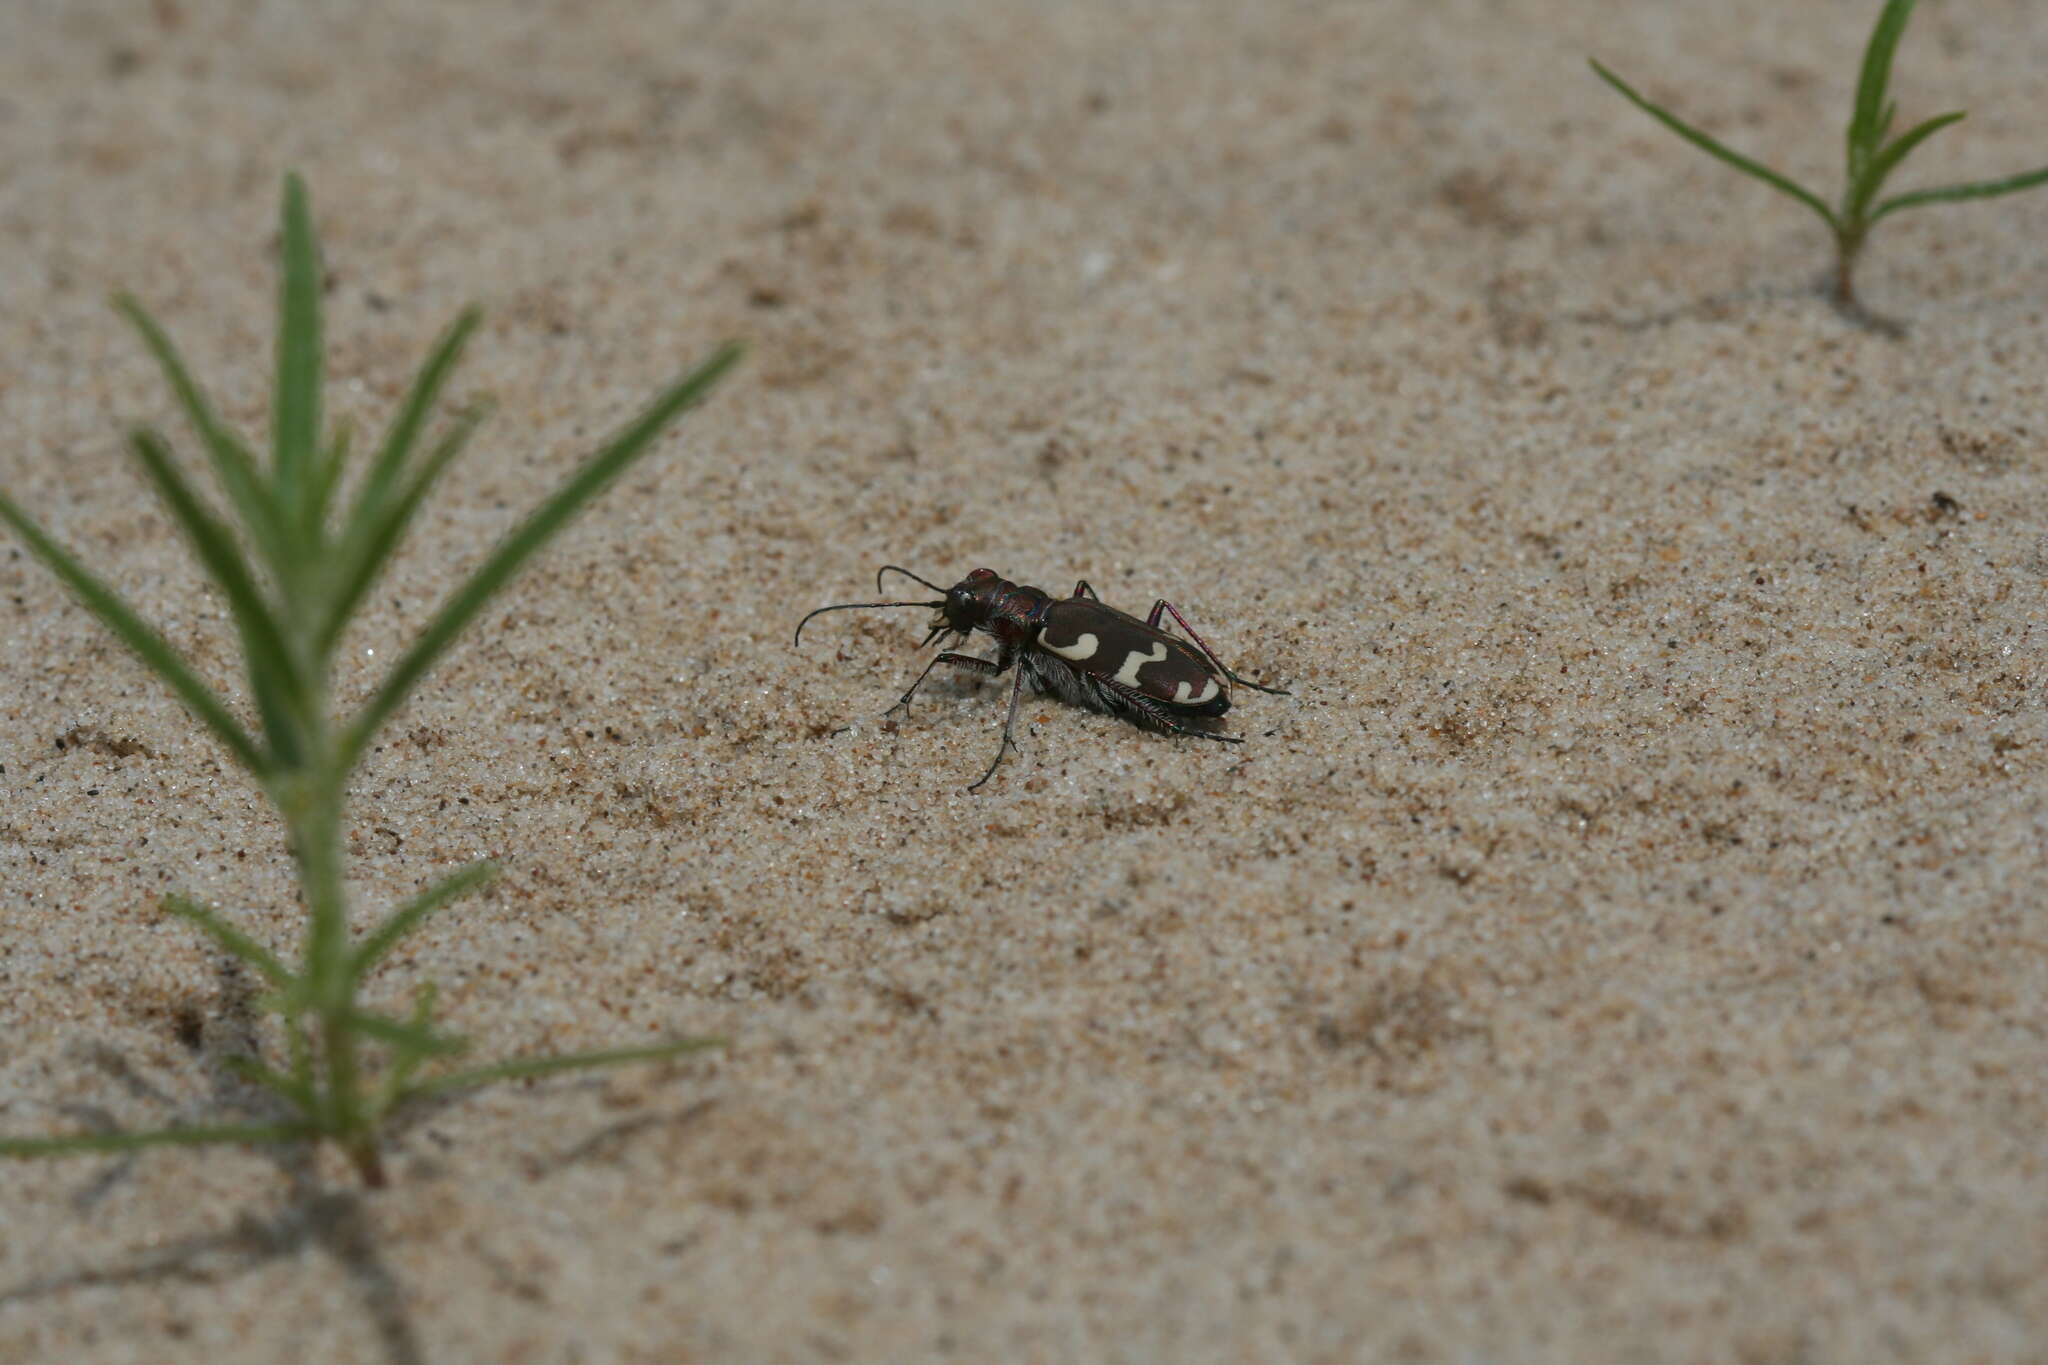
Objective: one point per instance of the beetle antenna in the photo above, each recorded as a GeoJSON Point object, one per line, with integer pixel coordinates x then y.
{"type": "Point", "coordinates": [887, 568]}
{"type": "Point", "coordinates": [850, 606]}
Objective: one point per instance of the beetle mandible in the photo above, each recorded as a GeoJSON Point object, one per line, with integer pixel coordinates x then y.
{"type": "Point", "coordinates": [1078, 648]}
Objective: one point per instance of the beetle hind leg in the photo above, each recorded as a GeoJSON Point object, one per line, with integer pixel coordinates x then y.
{"type": "Point", "coordinates": [1180, 729]}
{"type": "Point", "coordinates": [1256, 687]}
{"type": "Point", "coordinates": [1162, 605]}
{"type": "Point", "coordinates": [1134, 706]}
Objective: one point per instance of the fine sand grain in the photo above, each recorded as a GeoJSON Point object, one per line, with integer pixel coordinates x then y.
{"type": "Point", "coordinates": [1626, 943]}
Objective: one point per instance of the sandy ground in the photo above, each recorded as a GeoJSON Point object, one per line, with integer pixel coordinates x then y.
{"type": "Point", "coordinates": [1625, 944]}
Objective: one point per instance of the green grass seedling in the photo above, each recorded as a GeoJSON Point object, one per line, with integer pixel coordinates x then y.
{"type": "Point", "coordinates": [293, 564]}
{"type": "Point", "coordinates": [1871, 158]}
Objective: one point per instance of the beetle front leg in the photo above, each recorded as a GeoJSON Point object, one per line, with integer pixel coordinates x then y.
{"type": "Point", "coordinates": [1009, 726]}
{"type": "Point", "coordinates": [1162, 605]}
{"type": "Point", "coordinates": [987, 667]}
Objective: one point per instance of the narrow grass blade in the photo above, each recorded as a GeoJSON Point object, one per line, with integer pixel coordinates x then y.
{"type": "Point", "coordinates": [1879, 168]}
{"type": "Point", "coordinates": [1709, 145]}
{"type": "Point", "coordinates": [290, 1088]}
{"type": "Point", "coordinates": [115, 614]}
{"type": "Point", "coordinates": [541, 526]}
{"type": "Point", "coordinates": [1867, 122]}
{"type": "Point", "coordinates": [238, 944]}
{"type": "Point", "coordinates": [383, 474]}
{"type": "Point", "coordinates": [405, 1036]}
{"type": "Point", "coordinates": [521, 1068]}
{"type": "Point", "coordinates": [295, 411]}
{"type": "Point", "coordinates": [1946, 194]}
{"type": "Point", "coordinates": [406, 1063]}
{"type": "Point", "coordinates": [409, 916]}
{"type": "Point", "coordinates": [79, 1143]}
{"type": "Point", "coordinates": [327, 469]}
{"type": "Point", "coordinates": [299, 1052]}
{"type": "Point", "coordinates": [273, 676]}
{"type": "Point", "coordinates": [233, 467]}
{"type": "Point", "coordinates": [370, 543]}
{"type": "Point", "coordinates": [290, 1000]}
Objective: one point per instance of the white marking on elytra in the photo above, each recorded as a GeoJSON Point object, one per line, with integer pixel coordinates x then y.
{"type": "Point", "coordinates": [1137, 659]}
{"type": "Point", "coordinates": [1082, 648]}
{"type": "Point", "coordinates": [1181, 691]}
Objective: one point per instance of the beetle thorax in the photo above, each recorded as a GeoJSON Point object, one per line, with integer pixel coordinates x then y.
{"type": "Point", "coordinates": [988, 602]}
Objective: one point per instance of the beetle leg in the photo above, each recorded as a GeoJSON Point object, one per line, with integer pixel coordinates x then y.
{"type": "Point", "coordinates": [1081, 589]}
{"type": "Point", "coordinates": [1009, 727]}
{"type": "Point", "coordinates": [987, 667]}
{"type": "Point", "coordinates": [1157, 715]}
{"type": "Point", "coordinates": [1162, 605]}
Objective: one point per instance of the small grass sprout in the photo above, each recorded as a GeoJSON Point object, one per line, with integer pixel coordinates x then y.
{"type": "Point", "coordinates": [1871, 158]}
{"type": "Point", "coordinates": [293, 566]}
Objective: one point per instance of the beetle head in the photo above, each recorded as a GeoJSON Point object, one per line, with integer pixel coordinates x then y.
{"type": "Point", "coordinates": [969, 603]}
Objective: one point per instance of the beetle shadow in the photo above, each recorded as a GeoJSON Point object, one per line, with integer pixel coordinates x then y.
{"type": "Point", "coordinates": [312, 1216]}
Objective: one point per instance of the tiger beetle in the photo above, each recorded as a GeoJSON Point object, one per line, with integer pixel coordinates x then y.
{"type": "Point", "coordinates": [1078, 648]}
